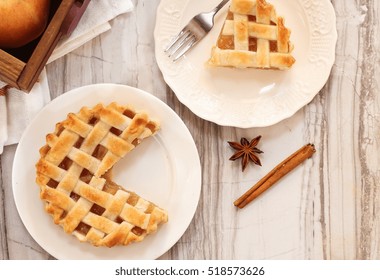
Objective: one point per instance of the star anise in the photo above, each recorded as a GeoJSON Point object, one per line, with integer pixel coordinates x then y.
{"type": "Point", "coordinates": [246, 150]}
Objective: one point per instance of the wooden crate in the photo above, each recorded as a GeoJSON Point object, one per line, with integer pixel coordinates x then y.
{"type": "Point", "coordinates": [21, 67]}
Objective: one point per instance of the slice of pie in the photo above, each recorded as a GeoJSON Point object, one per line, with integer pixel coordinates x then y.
{"type": "Point", "coordinates": [253, 36]}
{"type": "Point", "coordinates": [73, 174]}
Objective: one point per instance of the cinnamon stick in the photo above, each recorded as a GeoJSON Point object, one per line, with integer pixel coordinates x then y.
{"type": "Point", "coordinates": [276, 174]}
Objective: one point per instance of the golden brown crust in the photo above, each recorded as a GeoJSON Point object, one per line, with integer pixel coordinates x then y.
{"type": "Point", "coordinates": [78, 193]}
{"type": "Point", "coordinates": [260, 38]}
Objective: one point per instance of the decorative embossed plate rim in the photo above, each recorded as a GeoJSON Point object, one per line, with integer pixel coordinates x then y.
{"type": "Point", "coordinates": [248, 97]}
{"type": "Point", "coordinates": [166, 157]}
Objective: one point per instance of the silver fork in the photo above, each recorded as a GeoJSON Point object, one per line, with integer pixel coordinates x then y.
{"type": "Point", "coordinates": [192, 33]}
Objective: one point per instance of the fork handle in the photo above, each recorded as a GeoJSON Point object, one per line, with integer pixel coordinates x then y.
{"type": "Point", "coordinates": [220, 5]}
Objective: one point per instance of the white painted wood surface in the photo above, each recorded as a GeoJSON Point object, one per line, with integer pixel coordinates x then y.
{"type": "Point", "coordinates": [329, 208]}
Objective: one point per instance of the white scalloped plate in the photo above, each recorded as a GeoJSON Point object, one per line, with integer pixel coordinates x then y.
{"type": "Point", "coordinates": [164, 169]}
{"type": "Point", "coordinates": [248, 97]}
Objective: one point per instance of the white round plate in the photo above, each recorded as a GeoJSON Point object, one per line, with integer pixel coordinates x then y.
{"type": "Point", "coordinates": [164, 169]}
{"type": "Point", "coordinates": [248, 97]}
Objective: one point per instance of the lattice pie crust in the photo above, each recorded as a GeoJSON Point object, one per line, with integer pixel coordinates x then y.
{"type": "Point", "coordinates": [74, 179]}
{"type": "Point", "coordinates": [253, 36]}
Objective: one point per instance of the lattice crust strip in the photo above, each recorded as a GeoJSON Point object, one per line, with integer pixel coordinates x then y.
{"type": "Point", "coordinates": [253, 36]}
{"type": "Point", "coordinates": [70, 174]}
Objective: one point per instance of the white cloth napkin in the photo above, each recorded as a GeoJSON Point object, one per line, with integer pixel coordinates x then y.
{"type": "Point", "coordinates": [17, 109]}
{"type": "Point", "coordinates": [94, 21]}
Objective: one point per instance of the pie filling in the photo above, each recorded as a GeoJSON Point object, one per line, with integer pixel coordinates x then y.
{"type": "Point", "coordinates": [226, 42]}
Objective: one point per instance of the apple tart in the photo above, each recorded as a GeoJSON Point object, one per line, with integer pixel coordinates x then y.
{"type": "Point", "coordinates": [253, 36]}
{"type": "Point", "coordinates": [73, 174]}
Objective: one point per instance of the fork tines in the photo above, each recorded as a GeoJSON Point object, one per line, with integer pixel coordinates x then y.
{"type": "Point", "coordinates": [181, 44]}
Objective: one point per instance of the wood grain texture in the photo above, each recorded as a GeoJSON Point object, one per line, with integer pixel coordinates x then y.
{"type": "Point", "coordinates": [342, 121]}
{"type": "Point", "coordinates": [328, 208]}
{"type": "Point", "coordinates": [10, 68]}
